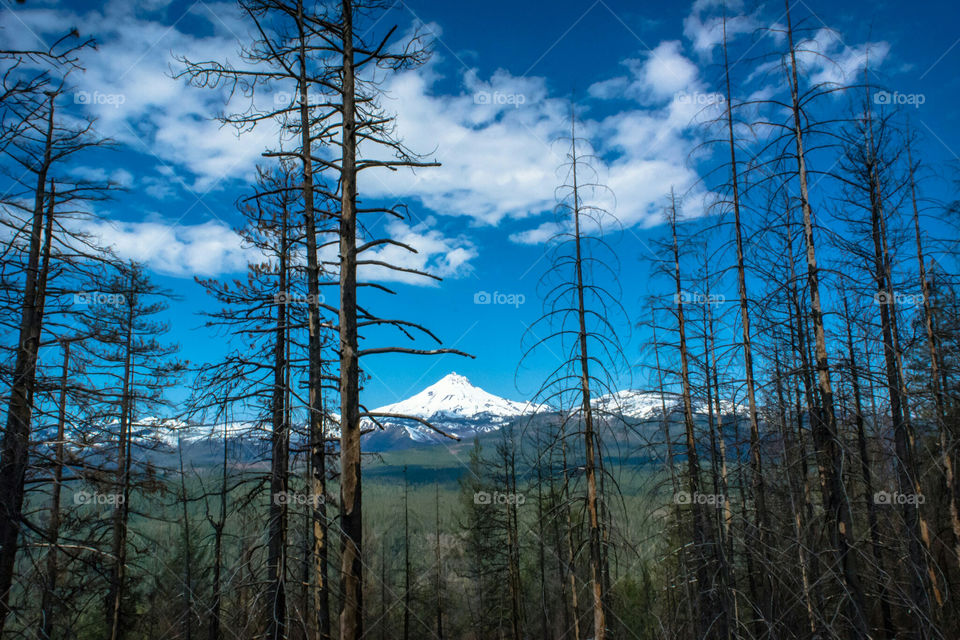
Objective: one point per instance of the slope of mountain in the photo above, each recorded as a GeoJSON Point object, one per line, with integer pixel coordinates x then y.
{"type": "Point", "coordinates": [452, 404]}
{"type": "Point", "coordinates": [631, 403]}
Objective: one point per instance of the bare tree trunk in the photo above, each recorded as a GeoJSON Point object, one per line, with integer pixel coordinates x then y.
{"type": "Point", "coordinates": [688, 598]}
{"type": "Point", "coordinates": [700, 537]}
{"type": "Point", "coordinates": [214, 631]}
{"type": "Point", "coordinates": [906, 468]}
{"type": "Point", "coordinates": [439, 572]}
{"type": "Point", "coordinates": [824, 423]}
{"type": "Point", "coordinates": [571, 554]}
{"type": "Point", "coordinates": [935, 371]}
{"type": "Point", "coordinates": [566, 620]}
{"type": "Point", "coordinates": [756, 465]}
{"type": "Point", "coordinates": [122, 510]}
{"type": "Point", "coordinates": [406, 558]}
{"type": "Point", "coordinates": [790, 459]}
{"type": "Point", "coordinates": [513, 539]}
{"type": "Point", "coordinates": [351, 516]}
{"type": "Point", "coordinates": [865, 469]}
{"type": "Point", "coordinates": [16, 437]}
{"type": "Point", "coordinates": [596, 554]}
{"type": "Point", "coordinates": [316, 418]}
{"type": "Point", "coordinates": [279, 460]}
{"type": "Point", "coordinates": [187, 553]}
{"type": "Point", "coordinates": [48, 599]}
{"type": "Point", "coordinates": [541, 543]}
{"type": "Point", "coordinates": [719, 471]}
{"type": "Point", "coordinates": [799, 339]}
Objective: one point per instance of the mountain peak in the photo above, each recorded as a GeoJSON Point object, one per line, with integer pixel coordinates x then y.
{"type": "Point", "coordinates": [454, 397]}
{"type": "Point", "coordinates": [453, 378]}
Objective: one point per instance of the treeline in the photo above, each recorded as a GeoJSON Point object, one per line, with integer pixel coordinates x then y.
{"type": "Point", "coordinates": [88, 368]}
{"type": "Point", "coordinates": [816, 302]}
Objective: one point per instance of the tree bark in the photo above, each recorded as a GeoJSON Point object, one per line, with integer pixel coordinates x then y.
{"type": "Point", "coordinates": [351, 514]}
{"type": "Point", "coordinates": [596, 554]}
{"type": "Point", "coordinates": [121, 510]}
{"type": "Point", "coordinates": [824, 422]}
{"type": "Point", "coordinates": [943, 425]}
{"type": "Point", "coordinates": [700, 523]}
{"type": "Point", "coordinates": [16, 437]}
{"type": "Point", "coordinates": [48, 599]}
{"type": "Point", "coordinates": [279, 461]}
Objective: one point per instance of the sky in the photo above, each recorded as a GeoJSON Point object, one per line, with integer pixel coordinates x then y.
{"type": "Point", "coordinates": [490, 106]}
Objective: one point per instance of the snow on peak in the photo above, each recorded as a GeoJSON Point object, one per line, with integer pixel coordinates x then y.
{"type": "Point", "coordinates": [453, 396]}
{"type": "Point", "coordinates": [632, 402]}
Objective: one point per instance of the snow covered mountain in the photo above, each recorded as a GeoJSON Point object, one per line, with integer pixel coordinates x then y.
{"type": "Point", "coordinates": [452, 404]}
{"type": "Point", "coordinates": [631, 403]}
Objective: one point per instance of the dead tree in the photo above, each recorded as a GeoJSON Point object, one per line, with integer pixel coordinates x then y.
{"type": "Point", "coordinates": [579, 316]}
{"type": "Point", "coordinates": [702, 537]}
{"type": "Point", "coordinates": [823, 420]}
{"type": "Point", "coordinates": [331, 66]}
{"type": "Point", "coordinates": [944, 434]}
{"type": "Point", "coordinates": [36, 144]}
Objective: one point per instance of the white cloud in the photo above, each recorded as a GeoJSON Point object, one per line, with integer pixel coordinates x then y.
{"type": "Point", "coordinates": [206, 249]}
{"type": "Point", "coordinates": [660, 75]}
{"type": "Point", "coordinates": [496, 138]}
{"type": "Point", "coordinates": [213, 248]}
{"type": "Point", "coordinates": [826, 58]}
{"type": "Point", "coordinates": [666, 71]}
{"type": "Point", "coordinates": [538, 235]}
{"type": "Point", "coordinates": [500, 155]}
{"type": "Point", "coordinates": [119, 177]}
{"type": "Point", "coordinates": [436, 254]}
{"type": "Point", "coordinates": [707, 33]}
{"type": "Point", "coordinates": [127, 86]}
{"type": "Point", "coordinates": [493, 142]}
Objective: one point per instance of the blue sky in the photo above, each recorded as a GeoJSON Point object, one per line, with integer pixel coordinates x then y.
{"type": "Point", "coordinates": [488, 105]}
